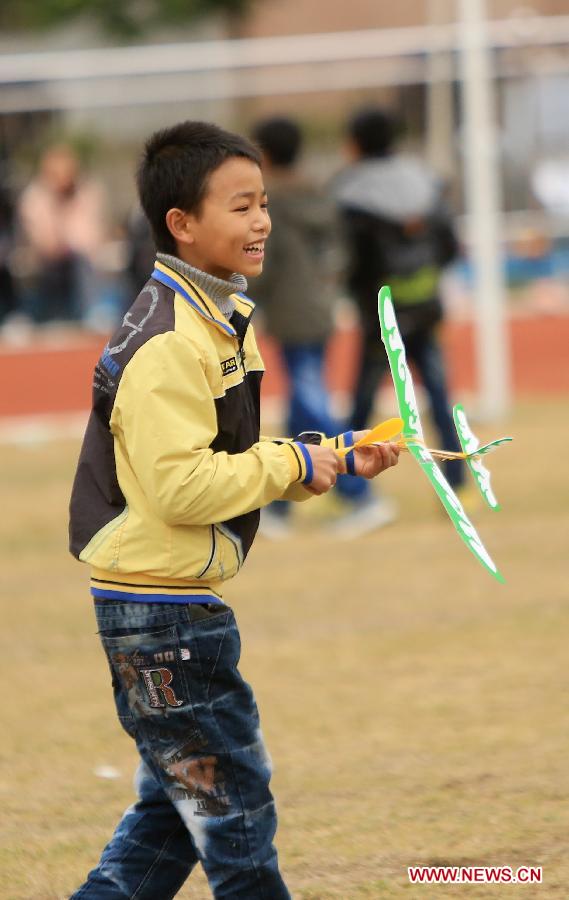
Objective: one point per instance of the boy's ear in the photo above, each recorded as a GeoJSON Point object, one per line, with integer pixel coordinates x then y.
{"type": "Point", "coordinates": [178, 223]}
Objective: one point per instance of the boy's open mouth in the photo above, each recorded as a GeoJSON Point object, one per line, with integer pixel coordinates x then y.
{"type": "Point", "coordinates": [255, 249]}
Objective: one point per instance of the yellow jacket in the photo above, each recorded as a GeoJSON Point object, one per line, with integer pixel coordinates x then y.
{"type": "Point", "coordinates": [172, 471]}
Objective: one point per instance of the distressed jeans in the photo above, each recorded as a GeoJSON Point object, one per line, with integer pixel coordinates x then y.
{"type": "Point", "coordinates": [203, 781]}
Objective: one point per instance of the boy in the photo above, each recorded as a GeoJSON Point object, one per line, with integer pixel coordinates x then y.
{"type": "Point", "coordinates": [165, 506]}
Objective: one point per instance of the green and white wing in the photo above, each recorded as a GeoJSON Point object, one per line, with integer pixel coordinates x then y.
{"type": "Point", "coordinates": [412, 429]}
{"type": "Point", "coordinates": [492, 445]}
{"type": "Point", "coordinates": [471, 446]}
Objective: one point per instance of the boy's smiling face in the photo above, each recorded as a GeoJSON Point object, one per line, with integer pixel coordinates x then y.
{"type": "Point", "coordinates": [229, 233]}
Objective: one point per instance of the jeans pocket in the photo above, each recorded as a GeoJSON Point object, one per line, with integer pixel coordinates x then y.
{"type": "Point", "coordinates": [217, 646]}
{"type": "Point", "coordinates": [147, 667]}
{"type": "Point", "coordinates": [198, 612]}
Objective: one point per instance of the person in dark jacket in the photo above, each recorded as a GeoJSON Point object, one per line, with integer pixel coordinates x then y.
{"type": "Point", "coordinates": [400, 234]}
{"type": "Point", "coordinates": [296, 294]}
{"type": "Point", "coordinates": [9, 298]}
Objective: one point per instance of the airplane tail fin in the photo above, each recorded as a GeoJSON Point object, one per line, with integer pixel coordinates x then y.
{"type": "Point", "coordinates": [470, 444]}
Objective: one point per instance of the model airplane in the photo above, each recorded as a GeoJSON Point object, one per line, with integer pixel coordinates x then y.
{"type": "Point", "coordinates": [409, 427]}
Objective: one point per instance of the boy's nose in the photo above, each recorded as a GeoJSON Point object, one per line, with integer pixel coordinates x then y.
{"type": "Point", "coordinates": [262, 223]}
{"type": "Point", "coordinates": [263, 226]}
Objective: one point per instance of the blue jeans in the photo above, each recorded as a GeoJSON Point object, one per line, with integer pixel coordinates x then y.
{"type": "Point", "coordinates": [424, 351]}
{"type": "Point", "coordinates": [203, 781]}
{"type": "Point", "coordinates": [309, 407]}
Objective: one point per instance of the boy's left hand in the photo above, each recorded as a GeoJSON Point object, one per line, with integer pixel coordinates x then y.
{"type": "Point", "coordinates": [372, 459]}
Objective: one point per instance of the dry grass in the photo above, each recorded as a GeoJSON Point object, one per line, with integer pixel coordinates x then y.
{"type": "Point", "coordinates": [416, 710]}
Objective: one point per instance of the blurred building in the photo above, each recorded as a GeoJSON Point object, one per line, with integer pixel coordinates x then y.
{"type": "Point", "coordinates": [315, 59]}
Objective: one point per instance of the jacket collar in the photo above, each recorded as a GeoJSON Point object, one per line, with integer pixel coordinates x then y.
{"type": "Point", "coordinates": [199, 300]}
{"type": "Point", "coordinates": [220, 290]}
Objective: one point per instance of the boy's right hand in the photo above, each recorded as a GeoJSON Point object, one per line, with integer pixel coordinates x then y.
{"type": "Point", "coordinates": [326, 465]}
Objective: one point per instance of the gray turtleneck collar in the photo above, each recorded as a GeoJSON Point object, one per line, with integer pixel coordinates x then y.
{"type": "Point", "coordinates": [217, 289]}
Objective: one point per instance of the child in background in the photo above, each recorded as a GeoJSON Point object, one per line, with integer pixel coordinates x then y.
{"type": "Point", "coordinates": [296, 293]}
{"type": "Point", "coordinates": [399, 232]}
{"type": "Point", "coordinates": [63, 228]}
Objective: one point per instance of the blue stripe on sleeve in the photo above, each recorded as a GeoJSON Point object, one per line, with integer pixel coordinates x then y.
{"type": "Point", "coordinates": [307, 462]}
{"type": "Point", "coordinates": [350, 458]}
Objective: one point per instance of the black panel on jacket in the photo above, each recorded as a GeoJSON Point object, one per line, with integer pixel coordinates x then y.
{"type": "Point", "coordinates": [96, 498]}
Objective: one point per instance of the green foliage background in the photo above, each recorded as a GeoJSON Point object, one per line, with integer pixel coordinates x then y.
{"type": "Point", "coordinates": [123, 18]}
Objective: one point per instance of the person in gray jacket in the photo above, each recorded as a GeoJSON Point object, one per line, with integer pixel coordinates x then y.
{"type": "Point", "coordinates": [296, 295]}
{"type": "Point", "coordinates": [399, 233]}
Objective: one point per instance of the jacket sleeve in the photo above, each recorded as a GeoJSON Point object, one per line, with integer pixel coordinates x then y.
{"type": "Point", "coordinates": [165, 416]}
{"type": "Point", "coordinates": [298, 492]}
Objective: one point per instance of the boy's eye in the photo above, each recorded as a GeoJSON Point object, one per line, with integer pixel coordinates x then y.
{"type": "Point", "coordinates": [263, 205]}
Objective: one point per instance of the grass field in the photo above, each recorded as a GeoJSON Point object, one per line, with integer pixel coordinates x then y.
{"type": "Point", "coordinates": [416, 711]}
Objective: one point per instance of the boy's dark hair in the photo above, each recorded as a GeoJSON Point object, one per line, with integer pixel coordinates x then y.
{"type": "Point", "coordinates": [175, 169]}
{"type": "Point", "coordinates": [280, 139]}
{"type": "Point", "coordinates": [373, 131]}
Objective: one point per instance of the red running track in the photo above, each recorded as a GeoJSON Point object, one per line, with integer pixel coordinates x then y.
{"type": "Point", "coordinates": [45, 378]}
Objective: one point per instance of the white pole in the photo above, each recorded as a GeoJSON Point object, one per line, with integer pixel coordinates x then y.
{"type": "Point", "coordinates": [439, 96]}
{"type": "Point", "coordinates": [483, 201]}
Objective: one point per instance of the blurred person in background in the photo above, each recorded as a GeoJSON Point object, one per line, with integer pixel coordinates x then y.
{"type": "Point", "coordinates": [399, 233]}
{"type": "Point", "coordinates": [296, 293]}
{"type": "Point", "coordinates": [61, 216]}
{"type": "Point", "coordinates": [9, 300]}
{"type": "Point", "coordinates": [141, 250]}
